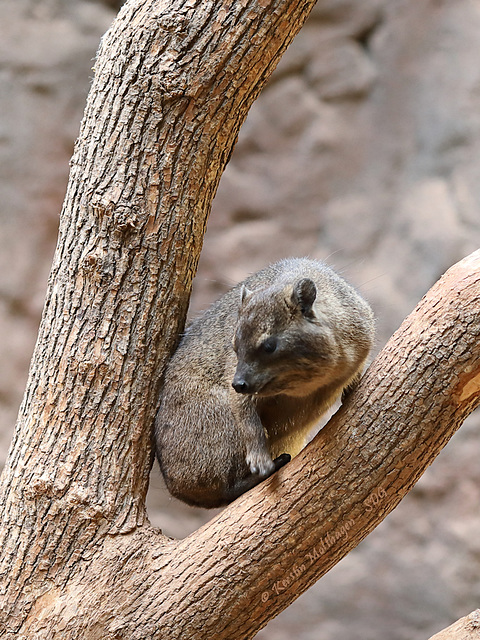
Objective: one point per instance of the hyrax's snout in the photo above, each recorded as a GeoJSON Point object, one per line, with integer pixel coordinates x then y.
{"type": "Point", "coordinates": [240, 385]}
{"type": "Point", "coordinates": [244, 381]}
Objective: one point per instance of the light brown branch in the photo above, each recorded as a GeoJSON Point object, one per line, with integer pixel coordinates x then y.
{"type": "Point", "coordinates": [245, 566]}
{"type": "Point", "coordinates": [467, 628]}
{"type": "Point", "coordinates": [173, 83]}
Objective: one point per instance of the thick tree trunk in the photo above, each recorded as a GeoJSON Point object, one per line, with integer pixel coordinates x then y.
{"type": "Point", "coordinates": [173, 83]}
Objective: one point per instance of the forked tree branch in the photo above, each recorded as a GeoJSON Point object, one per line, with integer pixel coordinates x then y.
{"type": "Point", "coordinates": [249, 563]}
{"type": "Point", "coordinates": [172, 85]}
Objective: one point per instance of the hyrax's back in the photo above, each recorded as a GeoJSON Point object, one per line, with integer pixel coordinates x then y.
{"type": "Point", "coordinates": [253, 374]}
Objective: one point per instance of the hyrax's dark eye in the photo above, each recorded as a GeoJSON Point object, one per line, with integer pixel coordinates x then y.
{"type": "Point", "coordinates": [269, 345]}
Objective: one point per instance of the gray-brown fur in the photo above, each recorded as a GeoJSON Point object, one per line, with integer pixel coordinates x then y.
{"type": "Point", "coordinates": [290, 339]}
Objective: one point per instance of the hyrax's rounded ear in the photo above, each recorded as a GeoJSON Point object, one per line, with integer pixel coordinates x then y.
{"type": "Point", "coordinates": [245, 293]}
{"type": "Point", "coordinates": [304, 294]}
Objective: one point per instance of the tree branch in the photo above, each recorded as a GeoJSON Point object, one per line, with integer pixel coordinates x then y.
{"type": "Point", "coordinates": [173, 83]}
{"type": "Point", "coordinates": [466, 628]}
{"type": "Point", "coordinates": [232, 576]}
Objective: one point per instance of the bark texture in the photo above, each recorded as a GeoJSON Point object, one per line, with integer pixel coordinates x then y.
{"type": "Point", "coordinates": [173, 83]}
{"type": "Point", "coordinates": [233, 575]}
{"type": "Point", "coordinates": [467, 628]}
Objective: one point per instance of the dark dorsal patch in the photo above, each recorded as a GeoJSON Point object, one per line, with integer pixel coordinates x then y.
{"type": "Point", "coordinates": [303, 295]}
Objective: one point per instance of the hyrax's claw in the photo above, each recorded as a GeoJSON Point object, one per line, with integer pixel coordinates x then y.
{"type": "Point", "coordinates": [281, 460]}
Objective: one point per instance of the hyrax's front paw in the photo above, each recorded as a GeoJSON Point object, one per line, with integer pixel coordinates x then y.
{"type": "Point", "coordinates": [260, 463]}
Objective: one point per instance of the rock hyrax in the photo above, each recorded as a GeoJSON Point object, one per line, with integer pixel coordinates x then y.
{"type": "Point", "coordinates": [253, 374]}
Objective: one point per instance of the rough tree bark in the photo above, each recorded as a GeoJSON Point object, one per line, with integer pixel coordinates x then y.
{"type": "Point", "coordinates": [467, 628]}
{"type": "Point", "coordinates": [173, 83]}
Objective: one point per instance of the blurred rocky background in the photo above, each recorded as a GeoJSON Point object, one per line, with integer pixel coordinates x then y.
{"type": "Point", "coordinates": [364, 150]}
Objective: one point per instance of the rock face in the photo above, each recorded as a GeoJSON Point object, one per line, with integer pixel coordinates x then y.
{"type": "Point", "coordinates": [364, 150]}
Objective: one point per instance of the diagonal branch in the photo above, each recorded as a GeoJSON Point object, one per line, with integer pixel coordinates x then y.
{"type": "Point", "coordinates": [231, 577]}
{"type": "Point", "coordinates": [466, 628]}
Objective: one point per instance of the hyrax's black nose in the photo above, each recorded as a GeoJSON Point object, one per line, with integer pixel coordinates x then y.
{"type": "Point", "coordinates": [240, 385]}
